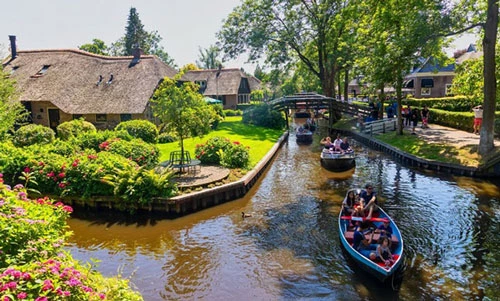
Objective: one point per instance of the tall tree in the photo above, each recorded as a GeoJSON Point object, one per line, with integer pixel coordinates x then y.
{"type": "Point", "coordinates": [182, 109]}
{"type": "Point", "coordinates": [208, 58]}
{"type": "Point", "coordinates": [309, 31]}
{"type": "Point", "coordinates": [12, 111]}
{"type": "Point", "coordinates": [135, 35]}
{"type": "Point", "coordinates": [395, 39]}
{"type": "Point", "coordinates": [97, 46]}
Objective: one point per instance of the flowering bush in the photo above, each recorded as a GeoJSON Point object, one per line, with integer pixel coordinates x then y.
{"type": "Point", "coordinates": [236, 156]}
{"type": "Point", "coordinates": [142, 153]}
{"type": "Point", "coordinates": [91, 140]}
{"type": "Point", "coordinates": [219, 150]}
{"type": "Point", "coordinates": [143, 129]}
{"type": "Point", "coordinates": [209, 153]}
{"type": "Point", "coordinates": [33, 263]}
{"type": "Point", "coordinates": [33, 133]}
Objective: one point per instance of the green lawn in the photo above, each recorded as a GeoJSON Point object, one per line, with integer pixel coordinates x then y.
{"type": "Point", "coordinates": [259, 139]}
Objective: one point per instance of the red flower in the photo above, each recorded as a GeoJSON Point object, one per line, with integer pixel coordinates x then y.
{"type": "Point", "coordinates": [27, 169]}
{"type": "Point", "coordinates": [67, 208]}
{"type": "Point", "coordinates": [62, 185]}
{"type": "Point", "coordinates": [61, 175]}
{"type": "Point", "coordinates": [50, 174]}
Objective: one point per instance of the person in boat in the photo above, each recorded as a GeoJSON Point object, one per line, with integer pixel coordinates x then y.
{"type": "Point", "coordinates": [368, 200]}
{"type": "Point", "coordinates": [300, 129]}
{"type": "Point", "coordinates": [345, 147]}
{"type": "Point", "coordinates": [383, 253]}
{"type": "Point", "coordinates": [385, 230]}
{"type": "Point", "coordinates": [361, 243]}
{"type": "Point", "coordinates": [336, 144]}
{"type": "Point", "coordinates": [327, 142]}
{"type": "Point", "coordinates": [349, 203]}
{"type": "Point", "coordinates": [357, 212]}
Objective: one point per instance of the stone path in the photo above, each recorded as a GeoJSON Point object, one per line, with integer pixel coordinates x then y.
{"type": "Point", "coordinates": [441, 134]}
{"type": "Point", "coordinates": [206, 175]}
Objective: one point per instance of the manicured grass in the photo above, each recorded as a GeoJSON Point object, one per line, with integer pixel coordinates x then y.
{"type": "Point", "coordinates": [446, 153]}
{"type": "Point", "coordinates": [259, 139]}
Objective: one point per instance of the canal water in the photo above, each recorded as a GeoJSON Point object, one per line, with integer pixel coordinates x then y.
{"type": "Point", "coordinates": [290, 249]}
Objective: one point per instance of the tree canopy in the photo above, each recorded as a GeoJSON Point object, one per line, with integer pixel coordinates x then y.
{"type": "Point", "coordinates": [11, 110]}
{"type": "Point", "coordinates": [182, 109]}
{"type": "Point", "coordinates": [97, 46]}
{"type": "Point", "coordinates": [208, 58]}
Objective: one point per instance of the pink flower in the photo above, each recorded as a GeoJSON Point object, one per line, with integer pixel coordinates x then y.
{"type": "Point", "coordinates": [22, 295]}
{"type": "Point", "coordinates": [26, 276]}
{"type": "Point", "coordinates": [6, 298]}
{"type": "Point", "coordinates": [61, 175]}
{"type": "Point", "coordinates": [62, 185]}
{"type": "Point", "coordinates": [41, 163]}
{"type": "Point", "coordinates": [41, 299]}
{"type": "Point", "coordinates": [68, 209]}
{"type": "Point", "coordinates": [12, 285]}
{"type": "Point", "coordinates": [102, 296]}
{"type": "Point", "coordinates": [27, 169]}
{"type": "Point", "coordinates": [47, 285]}
{"type": "Point", "coordinates": [73, 282]}
{"type": "Point", "coordinates": [50, 174]}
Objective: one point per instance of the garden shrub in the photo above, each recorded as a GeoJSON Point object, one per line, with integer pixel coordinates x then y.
{"type": "Point", "coordinates": [12, 161]}
{"type": "Point", "coordinates": [73, 128]}
{"type": "Point", "coordinates": [140, 185]}
{"type": "Point", "coordinates": [142, 153]}
{"type": "Point", "coordinates": [32, 134]}
{"type": "Point", "coordinates": [209, 153]}
{"type": "Point", "coordinates": [233, 112]}
{"type": "Point", "coordinates": [263, 115]}
{"type": "Point", "coordinates": [33, 263]}
{"type": "Point", "coordinates": [142, 129]}
{"type": "Point", "coordinates": [235, 156]}
{"type": "Point", "coordinates": [166, 138]}
{"type": "Point", "coordinates": [91, 140]}
{"type": "Point", "coordinates": [452, 103]}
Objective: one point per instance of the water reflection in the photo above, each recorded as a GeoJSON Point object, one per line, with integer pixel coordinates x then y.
{"type": "Point", "coordinates": [289, 248]}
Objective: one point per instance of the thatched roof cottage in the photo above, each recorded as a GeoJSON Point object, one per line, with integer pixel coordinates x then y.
{"type": "Point", "coordinates": [58, 85]}
{"type": "Point", "coordinates": [232, 86]}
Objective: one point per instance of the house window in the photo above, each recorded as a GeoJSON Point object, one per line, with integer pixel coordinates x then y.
{"type": "Point", "coordinates": [243, 98]}
{"type": "Point", "coordinates": [42, 71]}
{"type": "Point", "coordinates": [201, 83]}
{"type": "Point", "coordinates": [125, 117]}
{"type": "Point", "coordinates": [425, 91]}
{"type": "Point", "coordinates": [101, 117]}
{"type": "Point", "coordinates": [77, 116]}
{"type": "Point", "coordinates": [448, 89]}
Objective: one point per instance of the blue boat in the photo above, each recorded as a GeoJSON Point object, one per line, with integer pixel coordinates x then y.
{"type": "Point", "coordinates": [377, 269]}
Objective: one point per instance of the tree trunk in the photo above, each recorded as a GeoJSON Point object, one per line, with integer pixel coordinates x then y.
{"type": "Point", "coordinates": [399, 85]}
{"type": "Point", "coordinates": [328, 86]}
{"type": "Point", "coordinates": [381, 98]}
{"type": "Point", "coordinates": [346, 84]}
{"type": "Point", "coordinates": [486, 142]}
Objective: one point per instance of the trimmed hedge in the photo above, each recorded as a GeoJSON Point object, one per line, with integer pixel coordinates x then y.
{"type": "Point", "coordinates": [33, 134]}
{"type": "Point", "coordinates": [143, 129]}
{"type": "Point", "coordinates": [454, 104]}
{"type": "Point", "coordinates": [73, 128]}
{"type": "Point", "coordinates": [459, 120]}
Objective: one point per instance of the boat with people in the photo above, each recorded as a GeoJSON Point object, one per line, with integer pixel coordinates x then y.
{"type": "Point", "coordinates": [337, 161]}
{"type": "Point", "coordinates": [373, 234]}
{"type": "Point", "coordinates": [304, 135]}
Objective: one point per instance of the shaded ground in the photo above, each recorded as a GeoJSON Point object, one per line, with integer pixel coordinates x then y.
{"type": "Point", "coordinates": [441, 134]}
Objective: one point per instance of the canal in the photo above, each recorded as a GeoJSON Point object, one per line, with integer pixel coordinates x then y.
{"type": "Point", "coordinates": [289, 248]}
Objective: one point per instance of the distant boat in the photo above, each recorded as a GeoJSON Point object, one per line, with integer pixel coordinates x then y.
{"type": "Point", "coordinates": [336, 161]}
{"type": "Point", "coordinates": [304, 136]}
{"type": "Point", "coordinates": [377, 269]}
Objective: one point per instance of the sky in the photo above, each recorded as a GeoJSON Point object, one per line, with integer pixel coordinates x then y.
{"type": "Point", "coordinates": [184, 25]}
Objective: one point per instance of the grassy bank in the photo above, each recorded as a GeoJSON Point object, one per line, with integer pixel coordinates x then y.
{"type": "Point", "coordinates": [259, 139]}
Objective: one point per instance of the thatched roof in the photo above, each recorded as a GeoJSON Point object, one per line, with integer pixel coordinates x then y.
{"type": "Point", "coordinates": [228, 81]}
{"type": "Point", "coordinates": [70, 81]}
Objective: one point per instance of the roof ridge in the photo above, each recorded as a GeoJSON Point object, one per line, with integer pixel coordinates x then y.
{"type": "Point", "coordinates": [214, 70]}
{"type": "Point", "coordinates": [82, 52]}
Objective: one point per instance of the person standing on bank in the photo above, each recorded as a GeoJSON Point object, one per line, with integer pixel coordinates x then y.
{"type": "Point", "coordinates": [478, 118]}
{"type": "Point", "coordinates": [425, 117]}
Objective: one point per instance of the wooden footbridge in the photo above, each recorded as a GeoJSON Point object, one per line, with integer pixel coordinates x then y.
{"type": "Point", "coordinates": [316, 102]}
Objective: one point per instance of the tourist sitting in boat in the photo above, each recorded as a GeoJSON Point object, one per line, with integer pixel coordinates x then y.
{"type": "Point", "coordinates": [345, 147]}
{"type": "Point", "coordinates": [385, 230]}
{"type": "Point", "coordinates": [300, 129]}
{"type": "Point", "coordinates": [357, 212]}
{"type": "Point", "coordinates": [349, 203]}
{"type": "Point", "coordinates": [368, 200]}
{"type": "Point", "coordinates": [336, 144]}
{"type": "Point", "coordinates": [361, 244]}
{"type": "Point", "coordinates": [327, 142]}
{"type": "Point", "coordinates": [384, 252]}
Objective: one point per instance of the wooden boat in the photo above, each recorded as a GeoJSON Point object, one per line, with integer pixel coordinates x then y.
{"type": "Point", "coordinates": [304, 136]}
{"type": "Point", "coordinates": [336, 161]}
{"type": "Point", "coordinates": [377, 269]}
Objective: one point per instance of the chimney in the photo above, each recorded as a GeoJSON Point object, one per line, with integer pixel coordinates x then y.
{"type": "Point", "coordinates": [137, 52]}
{"type": "Point", "coordinates": [13, 48]}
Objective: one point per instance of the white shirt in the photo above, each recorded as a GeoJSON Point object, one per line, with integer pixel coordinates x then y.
{"type": "Point", "coordinates": [337, 142]}
{"type": "Point", "coordinates": [478, 113]}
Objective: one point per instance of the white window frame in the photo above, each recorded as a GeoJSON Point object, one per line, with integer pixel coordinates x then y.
{"type": "Point", "coordinates": [425, 91]}
{"type": "Point", "coordinates": [447, 90]}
